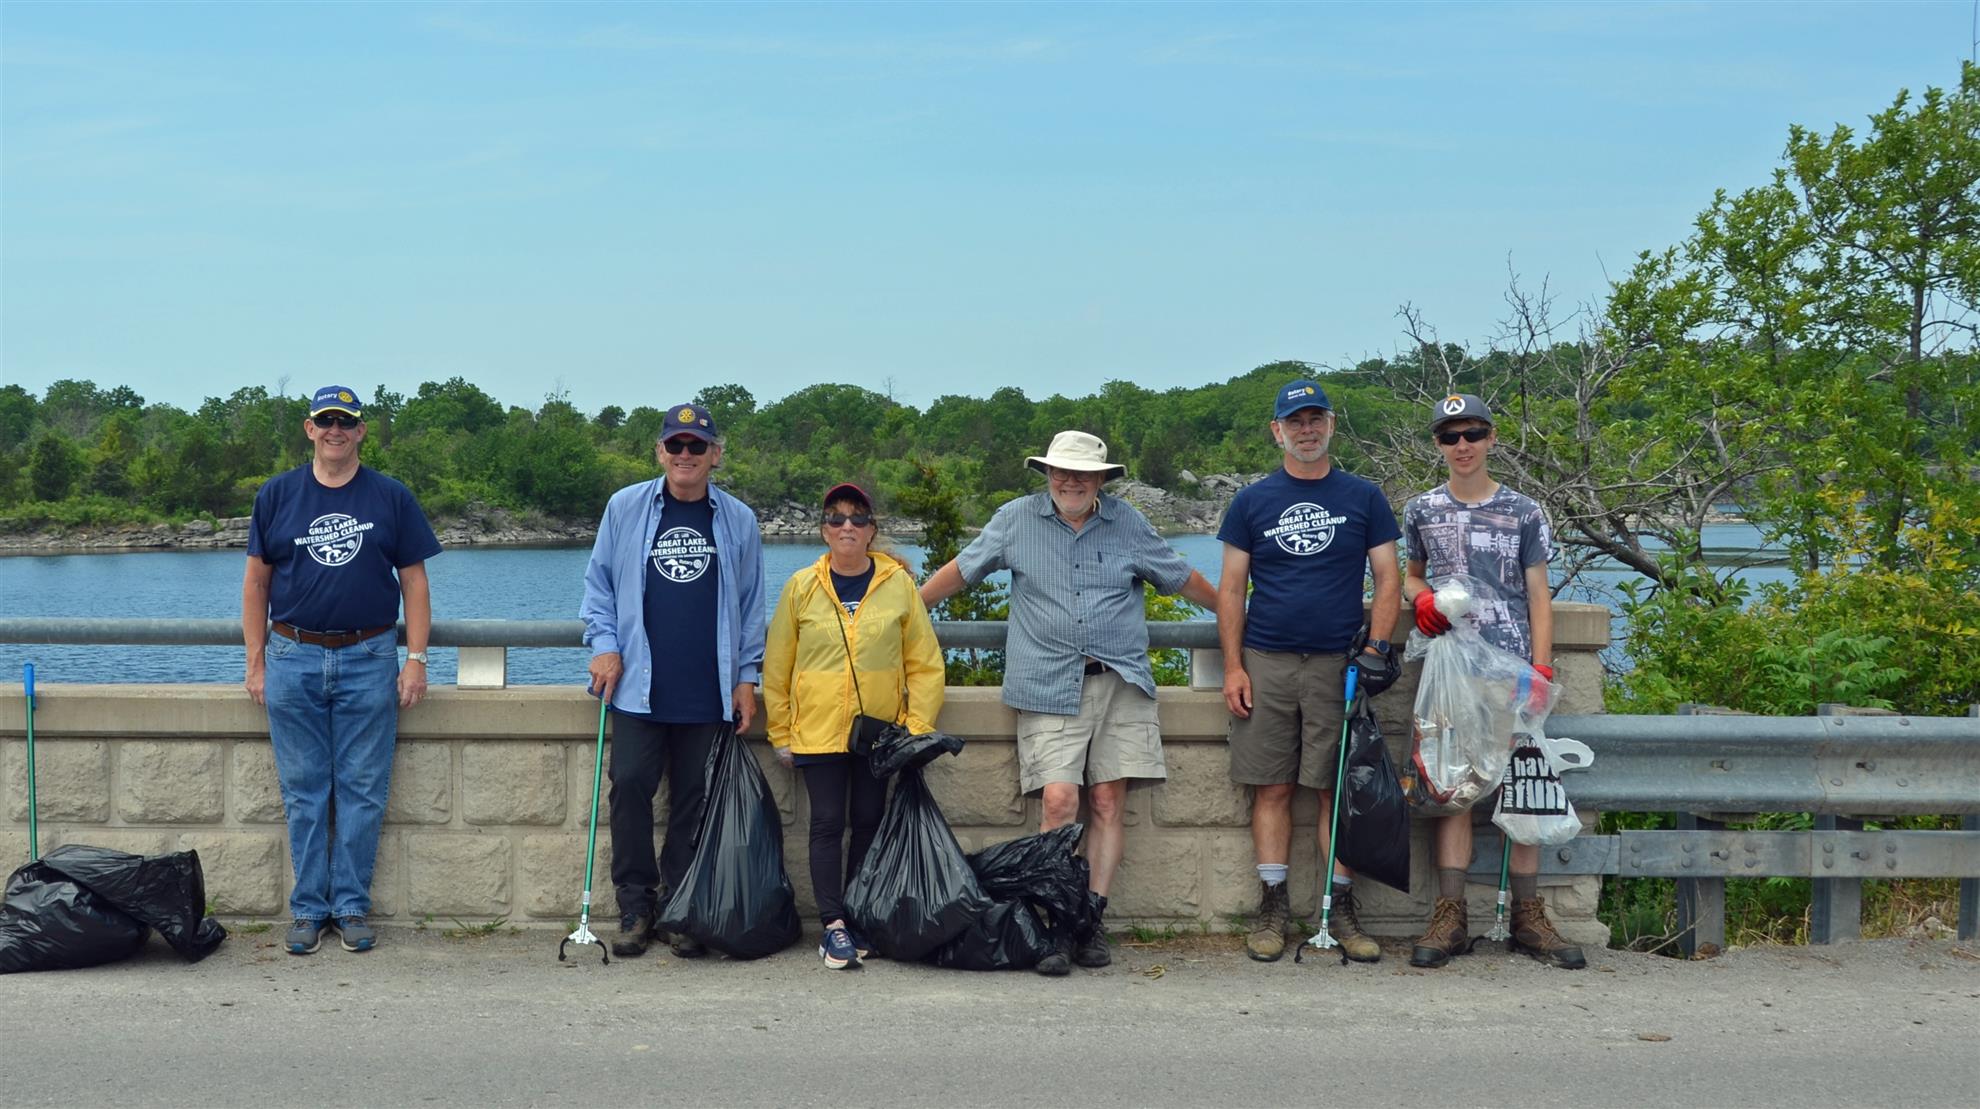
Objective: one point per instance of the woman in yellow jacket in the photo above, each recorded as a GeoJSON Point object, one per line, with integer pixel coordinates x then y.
{"type": "Point", "coordinates": [850, 637]}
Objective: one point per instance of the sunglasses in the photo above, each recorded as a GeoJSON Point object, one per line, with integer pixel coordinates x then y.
{"type": "Point", "coordinates": [1469, 435]}
{"type": "Point", "coordinates": [696, 447]}
{"type": "Point", "coordinates": [326, 419]}
{"type": "Point", "coordinates": [840, 519]}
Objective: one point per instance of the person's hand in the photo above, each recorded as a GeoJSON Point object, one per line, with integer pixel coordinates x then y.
{"type": "Point", "coordinates": [1428, 620]}
{"type": "Point", "coordinates": [412, 683]}
{"type": "Point", "coordinates": [257, 681]}
{"type": "Point", "coordinates": [1377, 670]}
{"type": "Point", "coordinates": [1237, 692]}
{"type": "Point", "coordinates": [1540, 690]}
{"type": "Point", "coordinates": [784, 756]}
{"type": "Point", "coordinates": [606, 666]}
{"type": "Point", "coordinates": [745, 701]}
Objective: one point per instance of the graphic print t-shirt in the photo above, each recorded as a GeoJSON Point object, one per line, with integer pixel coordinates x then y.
{"type": "Point", "coordinates": [334, 550]}
{"type": "Point", "coordinates": [683, 580]}
{"type": "Point", "coordinates": [1494, 542]}
{"type": "Point", "coordinates": [1309, 541]}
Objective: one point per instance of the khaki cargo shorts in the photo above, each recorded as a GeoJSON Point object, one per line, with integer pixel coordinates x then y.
{"type": "Point", "coordinates": [1116, 735]}
{"type": "Point", "coordinates": [1297, 705]}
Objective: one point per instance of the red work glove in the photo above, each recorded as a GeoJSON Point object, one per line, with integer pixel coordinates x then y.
{"type": "Point", "coordinates": [1539, 694]}
{"type": "Point", "coordinates": [1428, 620]}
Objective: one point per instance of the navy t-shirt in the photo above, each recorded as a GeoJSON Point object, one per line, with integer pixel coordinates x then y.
{"type": "Point", "coordinates": [683, 583]}
{"type": "Point", "coordinates": [335, 550]}
{"type": "Point", "coordinates": [851, 588]}
{"type": "Point", "coordinates": [1309, 541]}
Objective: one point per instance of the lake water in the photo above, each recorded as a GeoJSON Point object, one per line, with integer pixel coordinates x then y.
{"type": "Point", "coordinates": [468, 583]}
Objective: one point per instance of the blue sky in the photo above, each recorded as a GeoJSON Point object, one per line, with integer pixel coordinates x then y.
{"type": "Point", "coordinates": [631, 202]}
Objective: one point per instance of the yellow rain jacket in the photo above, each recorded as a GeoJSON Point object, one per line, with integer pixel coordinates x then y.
{"type": "Point", "coordinates": [808, 690]}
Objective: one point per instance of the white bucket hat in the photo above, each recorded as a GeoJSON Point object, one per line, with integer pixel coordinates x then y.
{"type": "Point", "coordinates": [1076, 450]}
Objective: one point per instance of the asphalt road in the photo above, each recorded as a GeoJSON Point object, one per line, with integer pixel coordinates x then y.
{"type": "Point", "coordinates": [432, 1020]}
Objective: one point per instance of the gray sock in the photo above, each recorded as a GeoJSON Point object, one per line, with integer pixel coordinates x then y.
{"type": "Point", "coordinates": [1450, 882]}
{"type": "Point", "coordinates": [1525, 887]}
{"type": "Point", "coordinates": [1342, 885]}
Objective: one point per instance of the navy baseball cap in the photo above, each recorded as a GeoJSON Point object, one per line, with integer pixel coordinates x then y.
{"type": "Point", "coordinates": [688, 419]}
{"type": "Point", "coordinates": [1459, 406]}
{"type": "Point", "coordinates": [336, 398]}
{"type": "Point", "coordinates": [1300, 394]}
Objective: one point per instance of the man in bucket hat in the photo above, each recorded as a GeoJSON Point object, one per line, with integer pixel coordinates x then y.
{"type": "Point", "coordinates": [1303, 537]}
{"type": "Point", "coordinates": [1076, 661]}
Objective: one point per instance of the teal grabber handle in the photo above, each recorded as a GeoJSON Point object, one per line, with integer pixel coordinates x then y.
{"type": "Point", "coordinates": [1324, 939]}
{"type": "Point", "coordinates": [34, 829]}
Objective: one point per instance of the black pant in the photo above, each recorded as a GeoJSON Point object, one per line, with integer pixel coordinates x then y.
{"type": "Point", "coordinates": [829, 785]}
{"type": "Point", "coordinates": [641, 751]}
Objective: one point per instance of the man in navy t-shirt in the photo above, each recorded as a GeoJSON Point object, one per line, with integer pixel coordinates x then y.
{"type": "Point", "coordinates": [1303, 538]}
{"type": "Point", "coordinates": [332, 546]}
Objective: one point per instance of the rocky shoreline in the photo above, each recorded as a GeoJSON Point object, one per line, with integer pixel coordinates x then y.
{"type": "Point", "coordinates": [482, 526]}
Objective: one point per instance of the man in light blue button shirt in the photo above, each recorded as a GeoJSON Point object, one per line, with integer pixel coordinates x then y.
{"type": "Point", "coordinates": [1076, 663]}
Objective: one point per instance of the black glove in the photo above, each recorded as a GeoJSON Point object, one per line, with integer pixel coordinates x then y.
{"type": "Point", "coordinates": [1374, 672]}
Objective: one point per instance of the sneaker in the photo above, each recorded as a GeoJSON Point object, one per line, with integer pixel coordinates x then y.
{"type": "Point", "coordinates": [1267, 940]}
{"type": "Point", "coordinates": [1449, 934]}
{"type": "Point", "coordinates": [1534, 934]}
{"type": "Point", "coordinates": [635, 933]}
{"type": "Point", "coordinates": [687, 947]}
{"type": "Point", "coordinates": [1058, 964]}
{"type": "Point", "coordinates": [305, 936]}
{"type": "Point", "coordinates": [861, 945]}
{"type": "Point", "coordinates": [357, 934]}
{"type": "Point", "coordinates": [1344, 923]}
{"type": "Point", "coordinates": [837, 949]}
{"type": "Point", "coordinates": [1095, 952]}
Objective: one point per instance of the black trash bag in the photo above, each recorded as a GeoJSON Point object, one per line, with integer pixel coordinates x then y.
{"type": "Point", "coordinates": [915, 891]}
{"type": "Point", "coordinates": [897, 750]}
{"type": "Point", "coordinates": [735, 896]}
{"type": "Point", "coordinates": [1044, 870]}
{"type": "Point", "coordinates": [49, 922]}
{"type": "Point", "coordinates": [1007, 937]}
{"type": "Point", "coordinates": [1374, 816]}
{"type": "Point", "coordinates": [167, 892]}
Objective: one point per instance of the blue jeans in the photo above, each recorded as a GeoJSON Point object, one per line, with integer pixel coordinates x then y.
{"type": "Point", "coordinates": [333, 719]}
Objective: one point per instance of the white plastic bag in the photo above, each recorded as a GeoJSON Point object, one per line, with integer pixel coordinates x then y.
{"type": "Point", "coordinates": [1471, 699]}
{"type": "Point", "coordinates": [1533, 807]}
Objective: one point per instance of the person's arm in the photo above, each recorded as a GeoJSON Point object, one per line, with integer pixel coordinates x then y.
{"type": "Point", "coordinates": [926, 676]}
{"type": "Point", "coordinates": [600, 613]}
{"type": "Point", "coordinates": [749, 650]}
{"type": "Point", "coordinates": [254, 625]}
{"type": "Point", "coordinates": [419, 625]}
{"type": "Point", "coordinates": [1540, 614]}
{"type": "Point", "coordinates": [1387, 605]}
{"type": "Point", "coordinates": [1198, 591]}
{"type": "Point", "coordinates": [779, 665]}
{"type": "Point", "coordinates": [942, 584]}
{"type": "Point", "coordinates": [1231, 583]}
{"type": "Point", "coordinates": [1414, 581]}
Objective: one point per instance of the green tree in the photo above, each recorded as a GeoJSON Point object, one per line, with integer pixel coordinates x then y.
{"type": "Point", "coordinates": [53, 467]}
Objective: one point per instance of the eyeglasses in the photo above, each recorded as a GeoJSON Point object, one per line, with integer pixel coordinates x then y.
{"type": "Point", "coordinates": [1469, 435]}
{"type": "Point", "coordinates": [696, 447]}
{"type": "Point", "coordinates": [840, 519]}
{"type": "Point", "coordinates": [326, 419]}
{"type": "Point", "coordinates": [1077, 477]}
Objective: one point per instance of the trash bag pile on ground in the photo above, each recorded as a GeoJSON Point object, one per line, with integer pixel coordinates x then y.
{"type": "Point", "coordinates": [81, 906]}
{"type": "Point", "coordinates": [917, 897]}
{"type": "Point", "coordinates": [736, 896]}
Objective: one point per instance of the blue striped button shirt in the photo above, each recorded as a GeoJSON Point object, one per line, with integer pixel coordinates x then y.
{"type": "Point", "coordinates": [1075, 594]}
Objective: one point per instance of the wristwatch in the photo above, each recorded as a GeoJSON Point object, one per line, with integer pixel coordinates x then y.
{"type": "Point", "coordinates": [416, 656]}
{"type": "Point", "coordinates": [1379, 646]}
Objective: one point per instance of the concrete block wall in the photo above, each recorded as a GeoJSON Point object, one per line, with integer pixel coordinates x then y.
{"type": "Point", "coordinates": [491, 795]}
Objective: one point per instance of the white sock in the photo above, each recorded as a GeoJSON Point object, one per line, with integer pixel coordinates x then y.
{"type": "Point", "coordinates": [1272, 874]}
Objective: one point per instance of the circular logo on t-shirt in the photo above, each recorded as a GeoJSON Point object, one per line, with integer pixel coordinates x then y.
{"type": "Point", "coordinates": [1304, 529]}
{"type": "Point", "coordinates": [682, 554]}
{"type": "Point", "coordinates": [333, 538]}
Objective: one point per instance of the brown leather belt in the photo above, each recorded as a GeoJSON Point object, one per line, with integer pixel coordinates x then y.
{"type": "Point", "coordinates": [329, 639]}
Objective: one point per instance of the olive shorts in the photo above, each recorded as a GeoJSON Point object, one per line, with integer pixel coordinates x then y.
{"type": "Point", "coordinates": [1297, 705]}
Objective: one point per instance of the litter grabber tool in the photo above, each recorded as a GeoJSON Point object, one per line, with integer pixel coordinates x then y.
{"type": "Point", "coordinates": [1499, 933]}
{"type": "Point", "coordinates": [34, 828]}
{"type": "Point", "coordinates": [1323, 939]}
{"type": "Point", "coordinates": [583, 935]}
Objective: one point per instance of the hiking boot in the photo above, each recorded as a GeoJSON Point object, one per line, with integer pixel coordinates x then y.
{"type": "Point", "coordinates": [1059, 963]}
{"type": "Point", "coordinates": [687, 947]}
{"type": "Point", "coordinates": [1449, 934]}
{"type": "Point", "coordinates": [1534, 934]}
{"type": "Point", "coordinates": [1095, 952]}
{"type": "Point", "coordinates": [1344, 924]}
{"type": "Point", "coordinates": [635, 933]}
{"type": "Point", "coordinates": [837, 949]}
{"type": "Point", "coordinates": [304, 936]}
{"type": "Point", "coordinates": [1267, 941]}
{"type": "Point", "coordinates": [357, 933]}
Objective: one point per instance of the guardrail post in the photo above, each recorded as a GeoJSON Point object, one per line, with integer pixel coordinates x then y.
{"type": "Point", "coordinates": [1835, 910]}
{"type": "Point", "coordinates": [482, 668]}
{"type": "Point", "coordinates": [1206, 668]}
{"type": "Point", "coordinates": [1701, 903]}
{"type": "Point", "coordinates": [1969, 888]}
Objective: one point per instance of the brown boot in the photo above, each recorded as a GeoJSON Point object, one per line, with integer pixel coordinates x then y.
{"type": "Point", "coordinates": [1267, 941]}
{"type": "Point", "coordinates": [1449, 934]}
{"type": "Point", "coordinates": [1344, 923]}
{"type": "Point", "coordinates": [1534, 934]}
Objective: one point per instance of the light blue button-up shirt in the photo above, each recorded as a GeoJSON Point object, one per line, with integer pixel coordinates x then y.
{"type": "Point", "coordinates": [1075, 595]}
{"type": "Point", "coordinates": [614, 608]}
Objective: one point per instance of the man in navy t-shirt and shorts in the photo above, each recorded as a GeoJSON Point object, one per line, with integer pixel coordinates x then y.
{"type": "Point", "coordinates": [324, 543]}
{"type": "Point", "coordinates": [1303, 538]}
